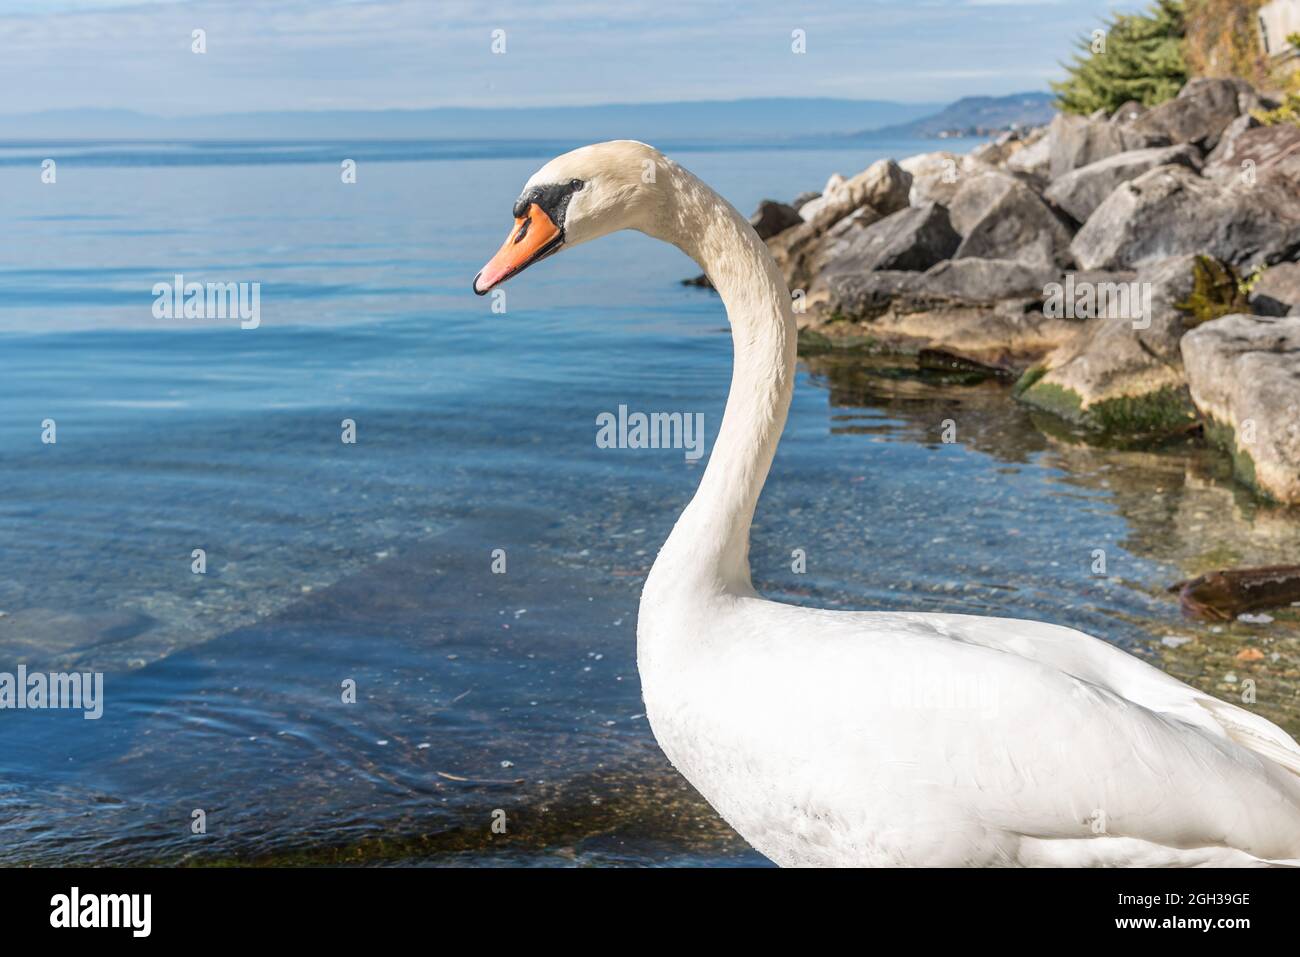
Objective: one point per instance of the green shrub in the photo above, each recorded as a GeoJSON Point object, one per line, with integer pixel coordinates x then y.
{"type": "Point", "coordinates": [1142, 59]}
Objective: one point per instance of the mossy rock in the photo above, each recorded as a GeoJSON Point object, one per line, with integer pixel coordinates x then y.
{"type": "Point", "coordinates": [1027, 379]}
{"type": "Point", "coordinates": [814, 343]}
{"type": "Point", "coordinates": [1164, 412]}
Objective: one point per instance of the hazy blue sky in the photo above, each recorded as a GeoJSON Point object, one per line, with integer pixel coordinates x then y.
{"type": "Point", "coordinates": [370, 54]}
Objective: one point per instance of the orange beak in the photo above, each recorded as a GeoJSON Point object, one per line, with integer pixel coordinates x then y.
{"type": "Point", "coordinates": [533, 236]}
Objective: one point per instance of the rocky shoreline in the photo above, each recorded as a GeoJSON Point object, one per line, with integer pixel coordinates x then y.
{"type": "Point", "coordinates": [1136, 273]}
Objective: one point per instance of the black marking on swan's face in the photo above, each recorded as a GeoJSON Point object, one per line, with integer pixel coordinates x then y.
{"type": "Point", "coordinates": [553, 201]}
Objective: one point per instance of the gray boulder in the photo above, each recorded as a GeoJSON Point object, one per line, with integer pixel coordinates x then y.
{"type": "Point", "coordinates": [1081, 191]}
{"type": "Point", "coordinates": [880, 189]}
{"type": "Point", "coordinates": [937, 176]}
{"type": "Point", "coordinates": [1198, 115]}
{"type": "Point", "coordinates": [1079, 141]}
{"type": "Point", "coordinates": [1127, 113]}
{"type": "Point", "coordinates": [772, 217]}
{"type": "Point", "coordinates": [1223, 153]}
{"type": "Point", "coordinates": [1244, 374]}
{"type": "Point", "coordinates": [911, 239]}
{"type": "Point", "coordinates": [1122, 373]}
{"type": "Point", "coordinates": [985, 280]}
{"type": "Point", "coordinates": [1258, 152]}
{"type": "Point", "coordinates": [954, 282]}
{"type": "Point", "coordinates": [1034, 159]}
{"type": "Point", "coordinates": [999, 217]}
{"type": "Point", "coordinates": [1277, 291]}
{"type": "Point", "coordinates": [883, 186]}
{"type": "Point", "coordinates": [1171, 210]}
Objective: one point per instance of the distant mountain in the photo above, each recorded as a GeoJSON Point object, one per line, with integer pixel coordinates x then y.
{"type": "Point", "coordinates": [769, 120]}
{"type": "Point", "coordinates": [974, 116]}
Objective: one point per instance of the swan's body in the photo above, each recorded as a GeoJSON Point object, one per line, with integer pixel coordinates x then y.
{"type": "Point", "coordinates": [859, 738]}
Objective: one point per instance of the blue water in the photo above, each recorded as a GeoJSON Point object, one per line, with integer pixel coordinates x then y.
{"type": "Point", "coordinates": [476, 692]}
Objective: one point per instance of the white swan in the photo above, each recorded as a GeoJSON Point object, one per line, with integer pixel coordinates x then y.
{"type": "Point", "coordinates": [867, 738]}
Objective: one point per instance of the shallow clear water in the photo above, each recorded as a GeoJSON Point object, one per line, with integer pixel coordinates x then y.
{"type": "Point", "coordinates": [476, 692]}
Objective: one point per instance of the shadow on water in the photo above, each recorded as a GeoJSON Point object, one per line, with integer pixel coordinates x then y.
{"type": "Point", "coordinates": [475, 693]}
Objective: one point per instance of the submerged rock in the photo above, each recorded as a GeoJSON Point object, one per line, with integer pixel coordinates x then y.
{"type": "Point", "coordinates": [1244, 375]}
{"type": "Point", "coordinates": [1223, 595]}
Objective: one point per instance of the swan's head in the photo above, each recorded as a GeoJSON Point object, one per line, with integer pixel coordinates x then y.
{"type": "Point", "coordinates": [580, 196]}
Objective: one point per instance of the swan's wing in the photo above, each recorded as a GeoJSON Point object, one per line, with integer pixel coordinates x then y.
{"type": "Point", "coordinates": [1131, 678]}
{"type": "Point", "coordinates": [882, 721]}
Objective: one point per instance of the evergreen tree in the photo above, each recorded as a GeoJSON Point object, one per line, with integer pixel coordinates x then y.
{"type": "Point", "coordinates": [1140, 58]}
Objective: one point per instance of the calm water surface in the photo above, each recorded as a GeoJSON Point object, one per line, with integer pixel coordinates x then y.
{"type": "Point", "coordinates": [476, 692]}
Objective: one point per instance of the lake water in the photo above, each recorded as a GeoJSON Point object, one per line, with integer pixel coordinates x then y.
{"type": "Point", "coordinates": [479, 696]}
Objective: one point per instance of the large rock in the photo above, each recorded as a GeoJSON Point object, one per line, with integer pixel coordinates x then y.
{"type": "Point", "coordinates": [935, 176]}
{"type": "Point", "coordinates": [1122, 373]}
{"type": "Point", "coordinates": [1198, 115]}
{"type": "Point", "coordinates": [880, 189]}
{"type": "Point", "coordinates": [1171, 210]}
{"type": "Point", "coordinates": [1277, 291]}
{"type": "Point", "coordinates": [810, 207]}
{"type": "Point", "coordinates": [1081, 191]}
{"type": "Point", "coordinates": [1079, 141]}
{"type": "Point", "coordinates": [1224, 152]}
{"type": "Point", "coordinates": [999, 150]}
{"type": "Point", "coordinates": [1127, 113]}
{"type": "Point", "coordinates": [955, 282]}
{"type": "Point", "coordinates": [883, 186]}
{"type": "Point", "coordinates": [1244, 374]}
{"type": "Point", "coordinates": [1035, 159]}
{"type": "Point", "coordinates": [985, 280]}
{"type": "Point", "coordinates": [1258, 152]}
{"type": "Point", "coordinates": [999, 217]}
{"type": "Point", "coordinates": [772, 217]}
{"type": "Point", "coordinates": [911, 239]}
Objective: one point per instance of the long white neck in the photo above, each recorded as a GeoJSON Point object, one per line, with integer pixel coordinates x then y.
{"type": "Point", "coordinates": [708, 550]}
